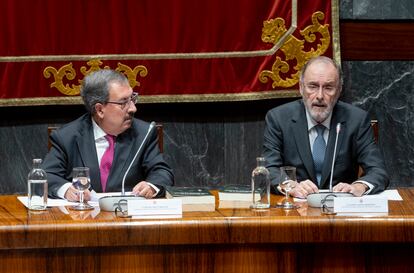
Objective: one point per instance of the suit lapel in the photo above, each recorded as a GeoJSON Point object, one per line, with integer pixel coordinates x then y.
{"type": "Point", "coordinates": [87, 150]}
{"type": "Point", "coordinates": [300, 132]}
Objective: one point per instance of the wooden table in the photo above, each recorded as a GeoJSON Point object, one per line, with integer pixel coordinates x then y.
{"type": "Point", "coordinates": [224, 240]}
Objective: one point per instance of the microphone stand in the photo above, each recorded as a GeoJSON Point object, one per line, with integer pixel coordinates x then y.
{"type": "Point", "coordinates": [338, 129]}
{"type": "Point", "coordinates": [111, 203]}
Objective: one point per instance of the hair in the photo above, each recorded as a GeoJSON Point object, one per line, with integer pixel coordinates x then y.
{"type": "Point", "coordinates": [323, 59]}
{"type": "Point", "coordinates": [95, 87]}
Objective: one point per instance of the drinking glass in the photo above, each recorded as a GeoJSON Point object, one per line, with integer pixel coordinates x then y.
{"type": "Point", "coordinates": [287, 183]}
{"type": "Point", "coordinates": [81, 181]}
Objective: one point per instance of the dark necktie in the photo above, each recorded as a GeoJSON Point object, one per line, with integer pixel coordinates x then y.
{"type": "Point", "coordinates": [318, 152]}
{"type": "Point", "coordinates": [106, 161]}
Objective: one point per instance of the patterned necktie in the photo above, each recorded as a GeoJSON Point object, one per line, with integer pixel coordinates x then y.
{"type": "Point", "coordinates": [318, 152]}
{"type": "Point", "coordinates": [106, 161]}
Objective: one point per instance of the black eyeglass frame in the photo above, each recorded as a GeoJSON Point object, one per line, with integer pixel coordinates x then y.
{"type": "Point", "coordinates": [133, 98]}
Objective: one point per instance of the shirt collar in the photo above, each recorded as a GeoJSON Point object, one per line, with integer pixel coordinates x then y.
{"type": "Point", "coordinates": [97, 131]}
{"type": "Point", "coordinates": [312, 123]}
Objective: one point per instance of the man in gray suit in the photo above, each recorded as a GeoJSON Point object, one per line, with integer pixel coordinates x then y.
{"type": "Point", "coordinates": [109, 122]}
{"type": "Point", "coordinates": [302, 134]}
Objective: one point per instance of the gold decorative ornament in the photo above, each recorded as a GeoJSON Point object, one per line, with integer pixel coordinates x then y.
{"type": "Point", "coordinates": [132, 73]}
{"type": "Point", "coordinates": [293, 49]}
{"type": "Point", "coordinates": [68, 72]}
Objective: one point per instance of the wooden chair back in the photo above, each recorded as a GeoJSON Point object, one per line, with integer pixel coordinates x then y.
{"type": "Point", "coordinates": [50, 129]}
{"type": "Point", "coordinates": [160, 134]}
{"type": "Point", "coordinates": [374, 125]}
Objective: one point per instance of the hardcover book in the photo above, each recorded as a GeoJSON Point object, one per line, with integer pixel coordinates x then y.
{"type": "Point", "coordinates": [237, 193]}
{"type": "Point", "coordinates": [188, 191]}
{"type": "Point", "coordinates": [193, 198]}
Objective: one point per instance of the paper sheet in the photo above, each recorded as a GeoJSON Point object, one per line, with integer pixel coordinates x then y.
{"type": "Point", "coordinates": [62, 202]}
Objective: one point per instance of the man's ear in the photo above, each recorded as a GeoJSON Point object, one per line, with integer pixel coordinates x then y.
{"type": "Point", "coordinates": [301, 88]}
{"type": "Point", "coordinates": [99, 109]}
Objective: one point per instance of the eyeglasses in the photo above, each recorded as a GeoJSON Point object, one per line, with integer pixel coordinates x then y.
{"type": "Point", "coordinates": [124, 103]}
{"type": "Point", "coordinates": [327, 89]}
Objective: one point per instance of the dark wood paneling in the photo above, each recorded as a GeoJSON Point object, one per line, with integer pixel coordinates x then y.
{"type": "Point", "coordinates": [369, 41]}
{"type": "Point", "coordinates": [219, 258]}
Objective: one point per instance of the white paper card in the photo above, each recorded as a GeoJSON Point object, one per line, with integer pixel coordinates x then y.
{"type": "Point", "coordinates": [360, 204]}
{"type": "Point", "coordinates": [50, 202]}
{"type": "Point", "coordinates": [155, 207]}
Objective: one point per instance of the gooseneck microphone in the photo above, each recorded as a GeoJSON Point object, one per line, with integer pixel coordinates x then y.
{"type": "Point", "coordinates": [315, 199]}
{"type": "Point", "coordinates": [110, 203]}
{"type": "Point", "coordinates": [152, 125]}
{"type": "Point", "coordinates": [338, 129]}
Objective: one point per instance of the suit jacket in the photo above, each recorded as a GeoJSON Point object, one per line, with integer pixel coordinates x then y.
{"type": "Point", "coordinates": [73, 145]}
{"type": "Point", "coordinates": [286, 143]}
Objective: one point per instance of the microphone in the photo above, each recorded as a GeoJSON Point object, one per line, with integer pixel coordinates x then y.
{"type": "Point", "coordinates": [338, 129]}
{"type": "Point", "coordinates": [316, 199]}
{"type": "Point", "coordinates": [152, 125]}
{"type": "Point", "coordinates": [110, 203]}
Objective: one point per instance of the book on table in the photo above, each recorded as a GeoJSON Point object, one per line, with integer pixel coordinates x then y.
{"type": "Point", "coordinates": [237, 193]}
{"type": "Point", "coordinates": [193, 198]}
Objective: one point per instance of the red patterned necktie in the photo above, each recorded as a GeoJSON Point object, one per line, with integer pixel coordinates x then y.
{"type": "Point", "coordinates": [106, 161]}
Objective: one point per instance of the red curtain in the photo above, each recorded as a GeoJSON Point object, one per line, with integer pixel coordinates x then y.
{"type": "Point", "coordinates": [155, 34]}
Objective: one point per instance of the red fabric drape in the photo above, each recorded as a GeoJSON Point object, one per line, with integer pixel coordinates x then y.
{"type": "Point", "coordinates": [100, 27]}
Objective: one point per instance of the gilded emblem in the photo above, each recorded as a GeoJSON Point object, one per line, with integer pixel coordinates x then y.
{"type": "Point", "coordinates": [293, 49]}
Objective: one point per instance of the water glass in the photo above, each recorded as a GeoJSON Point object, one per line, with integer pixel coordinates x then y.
{"type": "Point", "coordinates": [287, 183]}
{"type": "Point", "coordinates": [81, 181]}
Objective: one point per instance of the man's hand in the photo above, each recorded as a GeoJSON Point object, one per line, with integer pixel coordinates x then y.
{"type": "Point", "coordinates": [357, 189]}
{"type": "Point", "coordinates": [304, 188]}
{"type": "Point", "coordinates": [144, 189]}
{"type": "Point", "coordinates": [72, 195]}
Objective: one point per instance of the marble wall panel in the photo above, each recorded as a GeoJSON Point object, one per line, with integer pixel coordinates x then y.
{"type": "Point", "coordinates": [377, 9]}
{"type": "Point", "coordinates": [195, 152]}
{"type": "Point", "coordinates": [345, 9]}
{"type": "Point", "coordinates": [386, 90]}
{"type": "Point", "coordinates": [19, 145]}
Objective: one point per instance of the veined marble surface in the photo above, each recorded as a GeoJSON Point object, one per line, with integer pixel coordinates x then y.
{"type": "Point", "coordinates": [386, 91]}
{"type": "Point", "coordinates": [377, 9]}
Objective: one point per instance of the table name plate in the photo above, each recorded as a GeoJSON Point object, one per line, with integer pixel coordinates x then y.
{"type": "Point", "coordinates": [360, 204]}
{"type": "Point", "coordinates": [155, 207]}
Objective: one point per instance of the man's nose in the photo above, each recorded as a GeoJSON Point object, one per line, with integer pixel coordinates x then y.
{"type": "Point", "coordinates": [319, 93]}
{"type": "Point", "coordinates": [132, 108]}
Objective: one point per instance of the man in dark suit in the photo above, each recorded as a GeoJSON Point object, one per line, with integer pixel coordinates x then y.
{"type": "Point", "coordinates": [302, 134]}
{"type": "Point", "coordinates": [87, 141]}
